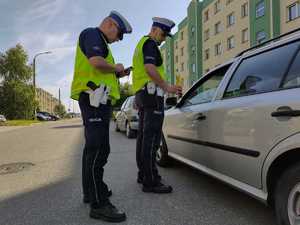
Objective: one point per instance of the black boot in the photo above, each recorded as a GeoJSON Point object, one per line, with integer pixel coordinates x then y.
{"type": "Point", "coordinates": [158, 188]}
{"type": "Point", "coordinates": [107, 212]}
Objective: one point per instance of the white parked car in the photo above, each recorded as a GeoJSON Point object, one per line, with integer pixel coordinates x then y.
{"type": "Point", "coordinates": [127, 118]}
{"type": "Point", "coordinates": [240, 123]}
{"type": "Point", "coordinates": [2, 118]}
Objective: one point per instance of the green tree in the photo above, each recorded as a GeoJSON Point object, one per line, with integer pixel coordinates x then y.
{"type": "Point", "coordinates": [16, 100]}
{"type": "Point", "coordinates": [14, 65]}
{"type": "Point", "coordinates": [60, 110]}
{"type": "Point", "coordinates": [16, 93]}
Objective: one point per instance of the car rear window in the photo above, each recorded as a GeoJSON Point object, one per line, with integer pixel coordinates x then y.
{"type": "Point", "coordinates": [261, 73]}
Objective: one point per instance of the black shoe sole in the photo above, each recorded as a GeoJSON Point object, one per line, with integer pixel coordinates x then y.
{"type": "Point", "coordinates": [107, 219]}
{"type": "Point", "coordinates": [150, 190]}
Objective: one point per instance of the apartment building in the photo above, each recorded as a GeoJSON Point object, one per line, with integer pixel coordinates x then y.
{"type": "Point", "coordinates": [46, 101]}
{"type": "Point", "coordinates": [225, 31]}
{"type": "Point", "coordinates": [217, 30]}
{"type": "Point", "coordinates": [289, 15]}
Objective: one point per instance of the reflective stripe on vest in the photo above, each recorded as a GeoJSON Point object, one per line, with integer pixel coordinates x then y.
{"type": "Point", "coordinates": [139, 75]}
{"type": "Point", "coordinates": [84, 72]}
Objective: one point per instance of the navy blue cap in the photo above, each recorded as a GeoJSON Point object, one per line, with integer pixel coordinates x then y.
{"type": "Point", "coordinates": [123, 24]}
{"type": "Point", "coordinates": [165, 24]}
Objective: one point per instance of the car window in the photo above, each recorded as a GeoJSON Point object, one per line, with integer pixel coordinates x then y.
{"type": "Point", "coordinates": [205, 91]}
{"type": "Point", "coordinates": [123, 106]}
{"type": "Point", "coordinates": [293, 78]}
{"type": "Point", "coordinates": [128, 103]}
{"type": "Point", "coordinates": [261, 73]}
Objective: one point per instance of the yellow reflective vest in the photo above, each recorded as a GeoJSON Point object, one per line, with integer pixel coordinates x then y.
{"type": "Point", "coordinates": [85, 72]}
{"type": "Point", "coordinates": [139, 75]}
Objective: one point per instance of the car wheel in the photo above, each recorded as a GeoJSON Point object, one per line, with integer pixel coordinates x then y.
{"type": "Point", "coordinates": [287, 197]}
{"type": "Point", "coordinates": [162, 157]}
{"type": "Point", "coordinates": [117, 129]}
{"type": "Point", "coordinates": [129, 132]}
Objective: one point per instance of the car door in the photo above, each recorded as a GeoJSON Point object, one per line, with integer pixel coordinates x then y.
{"type": "Point", "coordinates": [248, 121]}
{"type": "Point", "coordinates": [120, 118]}
{"type": "Point", "coordinates": [127, 110]}
{"type": "Point", "coordinates": [186, 125]}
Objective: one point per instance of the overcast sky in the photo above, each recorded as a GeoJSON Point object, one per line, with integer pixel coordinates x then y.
{"type": "Point", "coordinates": [54, 25]}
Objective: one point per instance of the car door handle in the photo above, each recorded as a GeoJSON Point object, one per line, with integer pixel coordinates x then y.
{"type": "Point", "coordinates": [285, 111]}
{"type": "Point", "coordinates": [200, 116]}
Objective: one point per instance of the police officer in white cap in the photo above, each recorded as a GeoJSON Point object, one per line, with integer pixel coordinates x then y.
{"type": "Point", "coordinates": [150, 85]}
{"type": "Point", "coordinates": [95, 85]}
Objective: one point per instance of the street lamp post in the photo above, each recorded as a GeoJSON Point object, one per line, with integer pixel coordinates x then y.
{"type": "Point", "coordinates": [33, 68]}
{"type": "Point", "coordinates": [34, 60]}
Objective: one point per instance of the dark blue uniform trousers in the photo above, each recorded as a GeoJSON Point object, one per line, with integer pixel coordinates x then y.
{"type": "Point", "coordinates": [96, 150]}
{"type": "Point", "coordinates": [151, 116]}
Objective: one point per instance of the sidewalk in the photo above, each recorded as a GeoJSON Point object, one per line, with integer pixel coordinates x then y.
{"type": "Point", "coordinates": [10, 128]}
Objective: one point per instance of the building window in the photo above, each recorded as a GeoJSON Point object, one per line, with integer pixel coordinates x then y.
{"type": "Point", "coordinates": [245, 10]}
{"type": "Point", "coordinates": [182, 67]}
{"type": "Point", "coordinates": [245, 35]}
{"type": "Point", "coordinates": [194, 68]}
{"type": "Point", "coordinates": [181, 34]}
{"type": "Point", "coordinates": [293, 11]}
{"type": "Point", "coordinates": [218, 49]}
{"type": "Point", "coordinates": [176, 44]}
{"type": "Point", "coordinates": [206, 55]}
{"type": "Point", "coordinates": [228, 2]}
{"type": "Point", "coordinates": [217, 27]}
{"type": "Point", "coordinates": [182, 51]}
{"type": "Point", "coordinates": [260, 37]}
{"type": "Point", "coordinates": [230, 19]}
{"type": "Point", "coordinates": [206, 15]}
{"type": "Point", "coordinates": [230, 43]}
{"type": "Point", "coordinates": [217, 6]}
{"type": "Point", "coordinates": [193, 30]}
{"type": "Point", "coordinates": [260, 9]}
{"type": "Point", "coordinates": [193, 50]}
{"type": "Point", "coordinates": [176, 59]}
{"type": "Point", "coordinates": [206, 35]}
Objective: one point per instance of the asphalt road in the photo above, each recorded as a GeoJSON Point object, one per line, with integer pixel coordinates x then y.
{"type": "Point", "coordinates": [49, 192]}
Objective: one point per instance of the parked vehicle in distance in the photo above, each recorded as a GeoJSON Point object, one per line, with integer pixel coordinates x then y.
{"type": "Point", "coordinates": [127, 118]}
{"type": "Point", "coordinates": [49, 116]}
{"type": "Point", "coordinates": [2, 118]}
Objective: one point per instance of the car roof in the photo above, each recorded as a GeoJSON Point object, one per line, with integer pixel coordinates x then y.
{"type": "Point", "coordinates": [286, 38]}
{"type": "Point", "coordinates": [131, 97]}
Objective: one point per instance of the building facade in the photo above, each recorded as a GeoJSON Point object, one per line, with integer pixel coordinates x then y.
{"type": "Point", "coordinates": [46, 101]}
{"type": "Point", "coordinates": [215, 31]}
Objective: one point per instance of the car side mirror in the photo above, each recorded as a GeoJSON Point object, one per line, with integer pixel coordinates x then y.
{"type": "Point", "coordinates": [172, 101]}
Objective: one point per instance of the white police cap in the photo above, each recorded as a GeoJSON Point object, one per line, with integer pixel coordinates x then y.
{"type": "Point", "coordinates": [165, 24]}
{"type": "Point", "coordinates": [123, 23]}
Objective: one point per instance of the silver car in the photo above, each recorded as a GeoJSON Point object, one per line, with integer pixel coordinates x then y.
{"type": "Point", "coordinates": [127, 118]}
{"type": "Point", "coordinates": [240, 123]}
{"type": "Point", "coordinates": [2, 118]}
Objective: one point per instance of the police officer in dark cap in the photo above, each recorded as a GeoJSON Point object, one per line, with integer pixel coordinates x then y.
{"type": "Point", "coordinates": [95, 85]}
{"type": "Point", "coordinates": [150, 86]}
